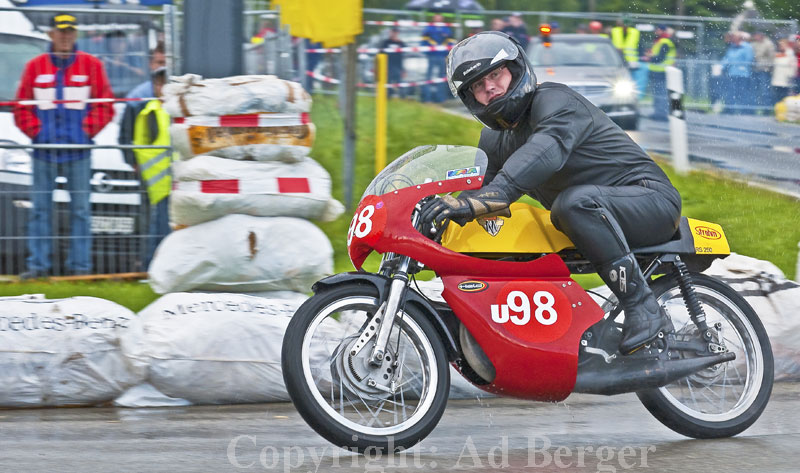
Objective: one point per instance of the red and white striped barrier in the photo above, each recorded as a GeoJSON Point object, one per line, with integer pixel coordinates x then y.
{"type": "Point", "coordinates": [278, 185]}
{"type": "Point", "coordinates": [407, 49]}
{"type": "Point", "coordinates": [11, 103]}
{"type": "Point", "coordinates": [409, 23]}
{"type": "Point", "coordinates": [399, 85]}
{"type": "Point", "coordinates": [246, 120]}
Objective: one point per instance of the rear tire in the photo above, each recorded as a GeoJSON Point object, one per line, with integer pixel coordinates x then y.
{"type": "Point", "coordinates": [725, 399]}
{"type": "Point", "coordinates": [335, 391]}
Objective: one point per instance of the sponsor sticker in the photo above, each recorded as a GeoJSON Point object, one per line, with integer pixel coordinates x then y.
{"type": "Point", "coordinates": [464, 172]}
{"type": "Point", "coordinates": [472, 285]}
{"type": "Point", "coordinates": [707, 233]}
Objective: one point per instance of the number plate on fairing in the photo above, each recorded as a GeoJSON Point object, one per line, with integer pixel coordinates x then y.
{"type": "Point", "coordinates": [535, 311]}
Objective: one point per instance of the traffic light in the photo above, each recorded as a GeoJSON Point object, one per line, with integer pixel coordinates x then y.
{"type": "Point", "coordinates": [544, 32]}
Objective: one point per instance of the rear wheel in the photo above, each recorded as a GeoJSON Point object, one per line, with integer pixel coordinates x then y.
{"type": "Point", "coordinates": [724, 399]}
{"type": "Point", "coordinates": [345, 399]}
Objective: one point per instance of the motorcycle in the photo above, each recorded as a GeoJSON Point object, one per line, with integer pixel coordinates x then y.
{"type": "Point", "coordinates": [366, 359]}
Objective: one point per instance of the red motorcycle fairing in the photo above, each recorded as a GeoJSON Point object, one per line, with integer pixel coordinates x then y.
{"type": "Point", "coordinates": [535, 355]}
{"type": "Point", "coordinates": [534, 349]}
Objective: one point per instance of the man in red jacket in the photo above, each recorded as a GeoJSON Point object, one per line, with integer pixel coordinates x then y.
{"type": "Point", "coordinates": [64, 73]}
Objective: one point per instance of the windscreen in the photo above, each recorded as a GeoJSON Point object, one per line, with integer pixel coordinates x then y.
{"type": "Point", "coordinates": [428, 164]}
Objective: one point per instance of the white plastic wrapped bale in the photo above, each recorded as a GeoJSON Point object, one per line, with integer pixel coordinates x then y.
{"type": "Point", "coordinates": [66, 351]}
{"type": "Point", "coordinates": [190, 95]}
{"type": "Point", "coordinates": [282, 137]}
{"type": "Point", "coordinates": [240, 253]}
{"type": "Point", "coordinates": [775, 299]}
{"type": "Point", "coordinates": [217, 348]}
{"type": "Point", "coordinates": [206, 188]}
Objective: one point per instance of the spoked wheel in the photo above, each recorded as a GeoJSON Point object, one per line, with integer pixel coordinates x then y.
{"type": "Point", "coordinates": [341, 395]}
{"type": "Point", "coordinates": [724, 399]}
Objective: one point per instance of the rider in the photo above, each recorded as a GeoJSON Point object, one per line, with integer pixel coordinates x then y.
{"type": "Point", "coordinates": [604, 192]}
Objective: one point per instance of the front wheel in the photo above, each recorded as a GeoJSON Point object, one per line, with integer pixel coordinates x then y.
{"type": "Point", "coordinates": [725, 399]}
{"type": "Point", "coordinates": [340, 395]}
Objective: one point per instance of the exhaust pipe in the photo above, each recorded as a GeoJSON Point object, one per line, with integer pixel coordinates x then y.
{"type": "Point", "coordinates": [625, 376]}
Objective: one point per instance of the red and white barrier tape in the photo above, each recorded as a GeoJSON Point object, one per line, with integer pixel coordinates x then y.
{"type": "Point", "coordinates": [278, 185]}
{"type": "Point", "coordinates": [246, 120]}
{"type": "Point", "coordinates": [409, 23]}
{"type": "Point", "coordinates": [11, 103]}
{"type": "Point", "coordinates": [399, 85]}
{"type": "Point", "coordinates": [407, 49]}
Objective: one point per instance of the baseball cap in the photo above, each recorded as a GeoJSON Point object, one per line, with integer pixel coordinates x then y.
{"type": "Point", "coordinates": [64, 21]}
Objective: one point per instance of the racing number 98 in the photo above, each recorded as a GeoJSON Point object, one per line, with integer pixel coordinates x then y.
{"type": "Point", "coordinates": [361, 224]}
{"type": "Point", "coordinates": [517, 301]}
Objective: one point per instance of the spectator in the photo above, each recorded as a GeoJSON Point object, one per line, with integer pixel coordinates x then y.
{"type": "Point", "coordinates": [125, 69]}
{"type": "Point", "coordinates": [737, 67]}
{"type": "Point", "coordinates": [436, 35]}
{"type": "Point", "coordinates": [149, 124]}
{"type": "Point", "coordinates": [395, 61]}
{"type": "Point", "coordinates": [595, 27]}
{"type": "Point", "coordinates": [764, 56]}
{"type": "Point", "coordinates": [158, 60]}
{"type": "Point", "coordinates": [498, 24]}
{"type": "Point", "coordinates": [797, 55]}
{"type": "Point", "coordinates": [625, 38]}
{"type": "Point", "coordinates": [555, 27]}
{"type": "Point", "coordinates": [784, 71]}
{"type": "Point", "coordinates": [582, 28]}
{"type": "Point", "coordinates": [661, 56]}
{"type": "Point", "coordinates": [516, 29]}
{"type": "Point", "coordinates": [63, 72]}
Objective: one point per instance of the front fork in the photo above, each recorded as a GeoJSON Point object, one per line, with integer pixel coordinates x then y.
{"type": "Point", "coordinates": [396, 266]}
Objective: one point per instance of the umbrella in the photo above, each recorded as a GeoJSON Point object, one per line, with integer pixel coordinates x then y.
{"type": "Point", "coordinates": [444, 5]}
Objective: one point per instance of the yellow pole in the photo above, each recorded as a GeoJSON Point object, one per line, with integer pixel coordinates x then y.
{"type": "Point", "coordinates": [380, 112]}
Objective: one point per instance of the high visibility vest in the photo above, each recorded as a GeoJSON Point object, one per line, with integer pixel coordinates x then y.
{"type": "Point", "coordinates": [627, 43]}
{"type": "Point", "coordinates": [672, 53]}
{"type": "Point", "coordinates": [154, 164]}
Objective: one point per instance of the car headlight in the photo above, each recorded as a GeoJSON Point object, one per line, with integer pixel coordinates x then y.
{"type": "Point", "coordinates": [624, 89]}
{"type": "Point", "coordinates": [15, 160]}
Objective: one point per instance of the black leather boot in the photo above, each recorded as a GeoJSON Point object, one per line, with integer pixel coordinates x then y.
{"type": "Point", "coordinates": [644, 318]}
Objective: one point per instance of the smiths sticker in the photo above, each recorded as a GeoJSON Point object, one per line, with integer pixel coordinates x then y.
{"type": "Point", "coordinates": [464, 172]}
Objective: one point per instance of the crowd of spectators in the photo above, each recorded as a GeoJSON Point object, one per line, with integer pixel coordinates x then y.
{"type": "Point", "coordinates": [756, 73]}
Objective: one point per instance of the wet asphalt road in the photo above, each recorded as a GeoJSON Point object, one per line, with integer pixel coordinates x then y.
{"type": "Point", "coordinates": [758, 148]}
{"type": "Point", "coordinates": [584, 434]}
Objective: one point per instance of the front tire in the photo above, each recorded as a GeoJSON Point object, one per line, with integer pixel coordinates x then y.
{"type": "Point", "coordinates": [725, 399]}
{"type": "Point", "coordinates": [340, 395]}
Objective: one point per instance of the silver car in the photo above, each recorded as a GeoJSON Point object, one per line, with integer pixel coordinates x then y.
{"type": "Point", "coordinates": [593, 67]}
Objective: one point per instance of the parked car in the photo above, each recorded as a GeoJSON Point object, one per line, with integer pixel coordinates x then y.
{"type": "Point", "coordinates": [117, 204]}
{"type": "Point", "coordinates": [593, 67]}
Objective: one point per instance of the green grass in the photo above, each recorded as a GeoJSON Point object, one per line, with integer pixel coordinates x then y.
{"type": "Point", "coordinates": [133, 295]}
{"type": "Point", "coordinates": [757, 222]}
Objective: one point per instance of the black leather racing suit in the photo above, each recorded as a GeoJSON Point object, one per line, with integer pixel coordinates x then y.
{"type": "Point", "coordinates": [603, 190]}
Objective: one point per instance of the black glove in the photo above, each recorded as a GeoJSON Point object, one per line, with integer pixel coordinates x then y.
{"type": "Point", "coordinates": [465, 208]}
{"type": "Point", "coordinates": [435, 212]}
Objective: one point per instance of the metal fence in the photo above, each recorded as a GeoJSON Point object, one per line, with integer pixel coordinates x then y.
{"type": "Point", "coordinates": [111, 235]}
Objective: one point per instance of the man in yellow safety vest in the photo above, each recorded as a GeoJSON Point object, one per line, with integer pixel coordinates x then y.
{"type": "Point", "coordinates": [626, 39]}
{"type": "Point", "coordinates": [661, 56]}
{"type": "Point", "coordinates": [148, 124]}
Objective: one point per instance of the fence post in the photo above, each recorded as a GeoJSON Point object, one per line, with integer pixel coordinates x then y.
{"type": "Point", "coordinates": [678, 136]}
{"type": "Point", "coordinates": [349, 118]}
{"type": "Point", "coordinates": [380, 112]}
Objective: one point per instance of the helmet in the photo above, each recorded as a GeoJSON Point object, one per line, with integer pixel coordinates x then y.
{"type": "Point", "coordinates": [595, 25]}
{"type": "Point", "coordinates": [480, 54]}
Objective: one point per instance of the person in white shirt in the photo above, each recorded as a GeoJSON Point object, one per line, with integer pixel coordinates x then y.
{"type": "Point", "coordinates": [784, 71]}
